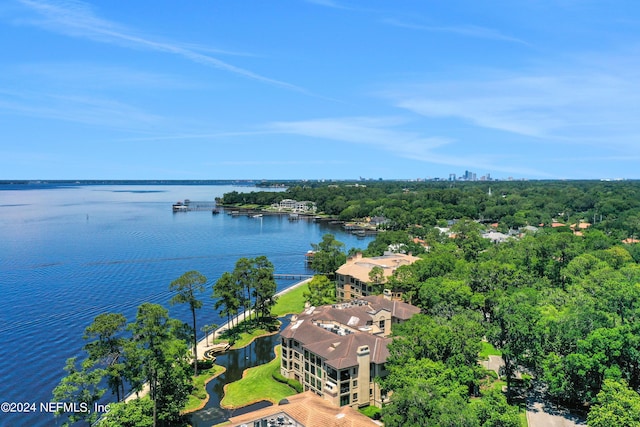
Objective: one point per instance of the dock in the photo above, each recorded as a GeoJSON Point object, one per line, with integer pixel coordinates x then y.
{"type": "Point", "coordinates": [194, 205]}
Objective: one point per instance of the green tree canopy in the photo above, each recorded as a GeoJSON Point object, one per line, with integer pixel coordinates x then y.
{"type": "Point", "coordinates": [329, 255]}
{"type": "Point", "coordinates": [187, 287]}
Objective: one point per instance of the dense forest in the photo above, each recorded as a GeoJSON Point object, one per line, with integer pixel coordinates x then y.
{"type": "Point", "coordinates": [612, 207]}
{"type": "Point", "coordinates": [561, 304]}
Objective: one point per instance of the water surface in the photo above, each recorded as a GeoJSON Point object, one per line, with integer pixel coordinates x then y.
{"type": "Point", "coordinates": [68, 254]}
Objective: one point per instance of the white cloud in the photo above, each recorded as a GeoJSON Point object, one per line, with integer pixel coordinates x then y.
{"type": "Point", "coordinates": [383, 133]}
{"type": "Point", "coordinates": [77, 19]}
{"type": "Point", "coordinates": [575, 104]}
{"type": "Point", "coordinates": [473, 31]}
{"type": "Point", "coordinates": [378, 132]}
{"type": "Point", "coordinates": [78, 109]}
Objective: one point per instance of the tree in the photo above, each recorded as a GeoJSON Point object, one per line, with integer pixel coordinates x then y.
{"type": "Point", "coordinates": [377, 279]}
{"type": "Point", "coordinates": [207, 329]}
{"type": "Point", "coordinates": [515, 332]}
{"type": "Point", "coordinates": [616, 405]}
{"type": "Point", "coordinates": [186, 286]}
{"type": "Point", "coordinates": [243, 275]}
{"type": "Point", "coordinates": [81, 388]}
{"type": "Point", "coordinates": [321, 291]}
{"type": "Point", "coordinates": [107, 347]}
{"type": "Point", "coordinates": [329, 255]}
{"type": "Point", "coordinates": [136, 413]}
{"type": "Point", "coordinates": [492, 410]}
{"type": "Point", "coordinates": [264, 287]}
{"type": "Point", "coordinates": [164, 361]}
{"type": "Point", "coordinates": [468, 239]}
{"type": "Point", "coordinates": [454, 342]}
{"type": "Point", "coordinates": [228, 297]}
{"type": "Point", "coordinates": [422, 390]}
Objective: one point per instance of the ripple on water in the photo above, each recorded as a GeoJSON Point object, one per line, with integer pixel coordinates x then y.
{"type": "Point", "coordinates": [68, 255]}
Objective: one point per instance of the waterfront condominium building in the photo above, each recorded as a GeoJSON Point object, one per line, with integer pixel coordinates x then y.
{"type": "Point", "coordinates": [353, 279]}
{"type": "Point", "coordinates": [338, 350]}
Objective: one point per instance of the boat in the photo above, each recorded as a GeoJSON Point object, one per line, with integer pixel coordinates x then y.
{"type": "Point", "coordinates": [256, 216]}
{"type": "Point", "coordinates": [180, 207]}
{"type": "Point", "coordinates": [215, 211]}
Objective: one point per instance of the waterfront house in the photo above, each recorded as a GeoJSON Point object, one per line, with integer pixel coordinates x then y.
{"type": "Point", "coordinates": [290, 205]}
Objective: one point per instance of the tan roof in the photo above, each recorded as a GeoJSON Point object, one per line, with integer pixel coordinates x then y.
{"type": "Point", "coordinates": [398, 309]}
{"type": "Point", "coordinates": [582, 225]}
{"type": "Point", "coordinates": [360, 267]}
{"type": "Point", "coordinates": [308, 410]}
{"type": "Point", "coordinates": [340, 351]}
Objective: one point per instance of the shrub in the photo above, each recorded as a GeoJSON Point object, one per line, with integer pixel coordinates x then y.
{"type": "Point", "coordinates": [291, 383]}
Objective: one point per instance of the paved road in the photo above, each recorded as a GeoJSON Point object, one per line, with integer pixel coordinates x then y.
{"type": "Point", "coordinates": [542, 413]}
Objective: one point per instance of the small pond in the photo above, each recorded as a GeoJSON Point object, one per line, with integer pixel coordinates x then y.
{"type": "Point", "coordinates": [259, 352]}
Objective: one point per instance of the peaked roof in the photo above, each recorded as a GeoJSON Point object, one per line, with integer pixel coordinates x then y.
{"type": "Point", "coordinates": [309, 410]}
{"type": "Point", "coordinates": [341, 351]}
{"type": "Point", "coordinates": [398, 309]}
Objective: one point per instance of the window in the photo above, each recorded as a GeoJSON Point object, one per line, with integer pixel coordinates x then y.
{"type": "Point", "coordinates": [355, 397]}
{"type": "Point", "coordinates": [355, 383]}
{"type": "Point", "coordinates": [344, 400]}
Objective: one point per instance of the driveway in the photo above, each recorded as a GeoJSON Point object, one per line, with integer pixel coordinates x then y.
{"type": "Point", "coordinates": [542, 413]}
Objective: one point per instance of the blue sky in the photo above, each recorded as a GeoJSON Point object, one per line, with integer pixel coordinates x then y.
{"type": "Point", "coordinates": [319, 89]}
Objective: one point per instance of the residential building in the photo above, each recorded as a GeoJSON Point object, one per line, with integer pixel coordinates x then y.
{"type": "Point", "coordinates": [337, 351]}
{"type": "Point", "coordinates": [353, 277]}
{"type": "Point", "coordinates": [302, 410]}
{"type": "Point", "coordinates": [291, 205]}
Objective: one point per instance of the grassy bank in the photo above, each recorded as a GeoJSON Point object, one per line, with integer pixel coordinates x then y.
{"type": "Point", "coordinates": [199, 397]}
{"type": "Point", "coordinates": [257, 384]}
{"type": "Point", "coordinates": [290, 302]}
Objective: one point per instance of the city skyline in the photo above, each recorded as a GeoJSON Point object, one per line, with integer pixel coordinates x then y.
{"type": "Point", "coordinates": [319, 89]}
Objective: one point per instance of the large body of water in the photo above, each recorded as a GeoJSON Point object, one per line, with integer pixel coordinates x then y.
{"type": "Point", "coordinates": [68, 254]}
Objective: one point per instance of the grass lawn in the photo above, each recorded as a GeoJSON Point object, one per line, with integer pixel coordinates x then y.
{"type": "Point", "coordinates": [290, 302]}
{"type": "Point", "coordinates": [487, 350]}
{"type": "Point", "coordinates": [523, 418]}
{"type": "Point", "coordinates": [257, 384]}
{"type": "Point", "coordinates": [199, 396]}
{"type": "Point", "coordinates": [247, 337]}
{"type": "Point", "coordinates": [370, 411]}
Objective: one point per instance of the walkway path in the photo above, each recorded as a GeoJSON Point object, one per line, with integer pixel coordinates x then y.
{"type": "Point", "coordinates": [207, 342]}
